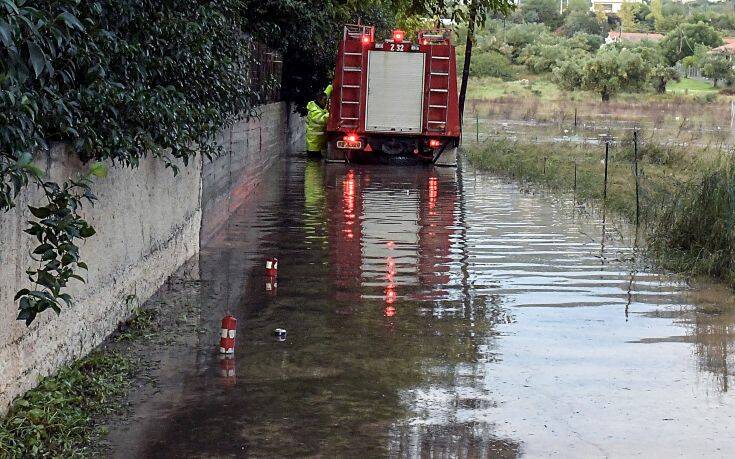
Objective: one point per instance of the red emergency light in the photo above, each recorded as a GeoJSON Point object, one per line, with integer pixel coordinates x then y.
{"type": "Point", "coordinates": [434, 143]}
{"type": "Point", "coordinates": [365, 39]}
{"type": "Point", "coordinates": [398, 35]}
{"type": "Point", "coordinates": [352, 138]}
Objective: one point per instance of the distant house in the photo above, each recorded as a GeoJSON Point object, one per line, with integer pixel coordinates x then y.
{"type": "Point", "coordinates": [728, 49]}
{"type": "Point", "coordinates": [635, 37]}
{"type": "Point", "coordinates": [610, 6]}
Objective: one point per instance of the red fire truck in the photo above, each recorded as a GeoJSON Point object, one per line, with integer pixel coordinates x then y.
{"type": "Point", "coordinates": [394, 99]}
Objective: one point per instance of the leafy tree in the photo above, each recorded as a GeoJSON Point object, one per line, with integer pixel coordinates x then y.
{"type": "Point", "coordinates": [585, 41]}
{"type": "Point", "coordinates": [656, 15]}
{"type": "Point", "coordinates": [661, 75]}
{"type": "Point", "coordinates": [613, 69]}
{"type": "Point", "coordinates": [649, 51]}
{"type": "Point", "coordinates": [577, 6]}
{"type": "Point", "coordinates": [641, 13]}
{"type": "Point", "coordinates": [551, 51]}
{"type": "Point", "coordinates": [697, 59]}
{"type": "Point", "coordinates": [666, 16]}
{"type": "Point", "coordinates": [568, 75]}
{"type": "Point", "coordinates": [636, 17]}
{"type": "Point", "coordinates": [544, 11]}
{"type": "Point", "coordinates": [521, 35]}
{"type": "Point", "coordinates": [682, 41]}
{"type": "Point", "coordinates": [581, 22]}
{"type": "Point", "coordinates": [627, 18]}
{"type": "Point", "coordinates": [717, 67]}
{"type": "Point", "coordinates": [723, 22]}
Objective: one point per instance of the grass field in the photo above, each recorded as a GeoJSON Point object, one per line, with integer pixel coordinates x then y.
{"type": "Point", "coordinates": [689, 86]}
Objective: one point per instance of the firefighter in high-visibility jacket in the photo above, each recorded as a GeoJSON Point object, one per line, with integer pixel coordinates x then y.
{"type": "Point", "coordinates": [317, 114]}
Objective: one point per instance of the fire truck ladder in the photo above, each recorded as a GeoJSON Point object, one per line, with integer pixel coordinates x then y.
{"type": "Point", "coordinates": [351, 75]}
{"type": "Point", "coordinates": [438, 103]}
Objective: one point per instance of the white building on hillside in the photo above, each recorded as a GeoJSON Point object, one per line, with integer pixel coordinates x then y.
{"type": "Point", "coordinates": [610, 6]}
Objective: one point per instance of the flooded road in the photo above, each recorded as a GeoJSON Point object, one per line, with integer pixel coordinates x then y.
{"type": "Point", "coordinates": [430, 312]}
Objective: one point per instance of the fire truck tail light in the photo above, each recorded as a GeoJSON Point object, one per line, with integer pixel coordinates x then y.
{"type": "Point", "coordinates": [365, 39]}
{"type": "Point", "coordinates": [351, 138]}
{"type": "Point", "coordinates": [434, 143]}
{"type": "Point", "coordinates": [398, 35]}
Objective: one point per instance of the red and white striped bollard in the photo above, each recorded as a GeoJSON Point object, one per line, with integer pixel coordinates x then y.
{"type": "Point", "coordinates": [271, 267]}
{"type": "Point", "coordinates": [227, 335]}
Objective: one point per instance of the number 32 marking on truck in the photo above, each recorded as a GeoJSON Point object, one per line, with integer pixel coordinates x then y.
{"type": "Point", "coordinates": [395, 47]}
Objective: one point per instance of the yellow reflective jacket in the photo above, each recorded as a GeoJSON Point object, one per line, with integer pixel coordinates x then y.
{"type": "Point", "coordinates": [316, 123]}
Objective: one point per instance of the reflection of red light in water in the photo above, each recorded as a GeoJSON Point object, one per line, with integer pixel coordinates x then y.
{"type": "Point", "coordinates": [391, 245]}
{"type": "Point", "coordinates": [390, 289]}
{"type": "Point", "coordinates": [391, 267]}
{"type": "Point", "coordinates": [348, 197]}
{"type": "Point", "coordinates": [433, 192]}
{"type": "Point", "coordinates": [390, 294]}
{"type": "Point", "coordinates": [389, 311]}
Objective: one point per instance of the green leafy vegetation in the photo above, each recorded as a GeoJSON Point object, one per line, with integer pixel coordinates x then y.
{"type": "Point", "coordinates": [55, 418]}
{"type": "Point", "coordinates": [683, 40]}
{"type": "Point", "coordinates": [491, 64]}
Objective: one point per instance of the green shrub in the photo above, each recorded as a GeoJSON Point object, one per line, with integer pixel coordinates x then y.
{"type": "Point", "coordinates": [568, 75]}
{"type": "Point", "coordinates": [54, 419]}
{"type": "Point", "coordinates": [491, 64]}
{"type": "Point", "coordinates": [519, 36]}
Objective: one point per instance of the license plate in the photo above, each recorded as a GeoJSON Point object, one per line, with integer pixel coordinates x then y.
{"type": "Point", "coordinates": [351, 146]}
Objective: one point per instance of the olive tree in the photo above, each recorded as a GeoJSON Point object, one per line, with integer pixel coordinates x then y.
{"type": "Point", "coordinates": [716, 67]}
{"type": "Point", "coordinates": [683, 40]}
{"type": "Point", "coordinates": [612, 70]}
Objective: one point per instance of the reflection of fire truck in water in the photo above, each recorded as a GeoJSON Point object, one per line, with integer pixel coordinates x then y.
{"type": "Point", "coordinates": [390, 235]}
{"type": "Point", "coordinates": [394, 99]}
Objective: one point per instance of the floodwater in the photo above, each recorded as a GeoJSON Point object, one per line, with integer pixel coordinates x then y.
{"type": "Point", "coordinates": [430, 313]}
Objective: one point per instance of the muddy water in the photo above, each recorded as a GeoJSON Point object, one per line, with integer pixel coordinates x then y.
{"type": "Point", "coordinates": [436, 313]}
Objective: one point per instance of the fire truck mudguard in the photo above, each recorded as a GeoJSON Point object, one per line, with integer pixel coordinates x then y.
{"type": "Point", "coordinates": [395, 100]}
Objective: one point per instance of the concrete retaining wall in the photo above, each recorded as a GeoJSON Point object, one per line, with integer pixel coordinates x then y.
{"type": "Point", "coordinates": [148, 224]}
{"type": "Point", "coordinates": [250, 148]}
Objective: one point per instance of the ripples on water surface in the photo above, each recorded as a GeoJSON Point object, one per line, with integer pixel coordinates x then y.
{"type": "Point", "coordinates": [432, 313]}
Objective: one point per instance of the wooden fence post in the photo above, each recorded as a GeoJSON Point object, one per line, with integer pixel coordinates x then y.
{"type": "Point", "coordinates": [604, 188]}
{"type": "Point", "coordinates": [477, 127]}
{"type": "Point", "coordinates": [637, 184]}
